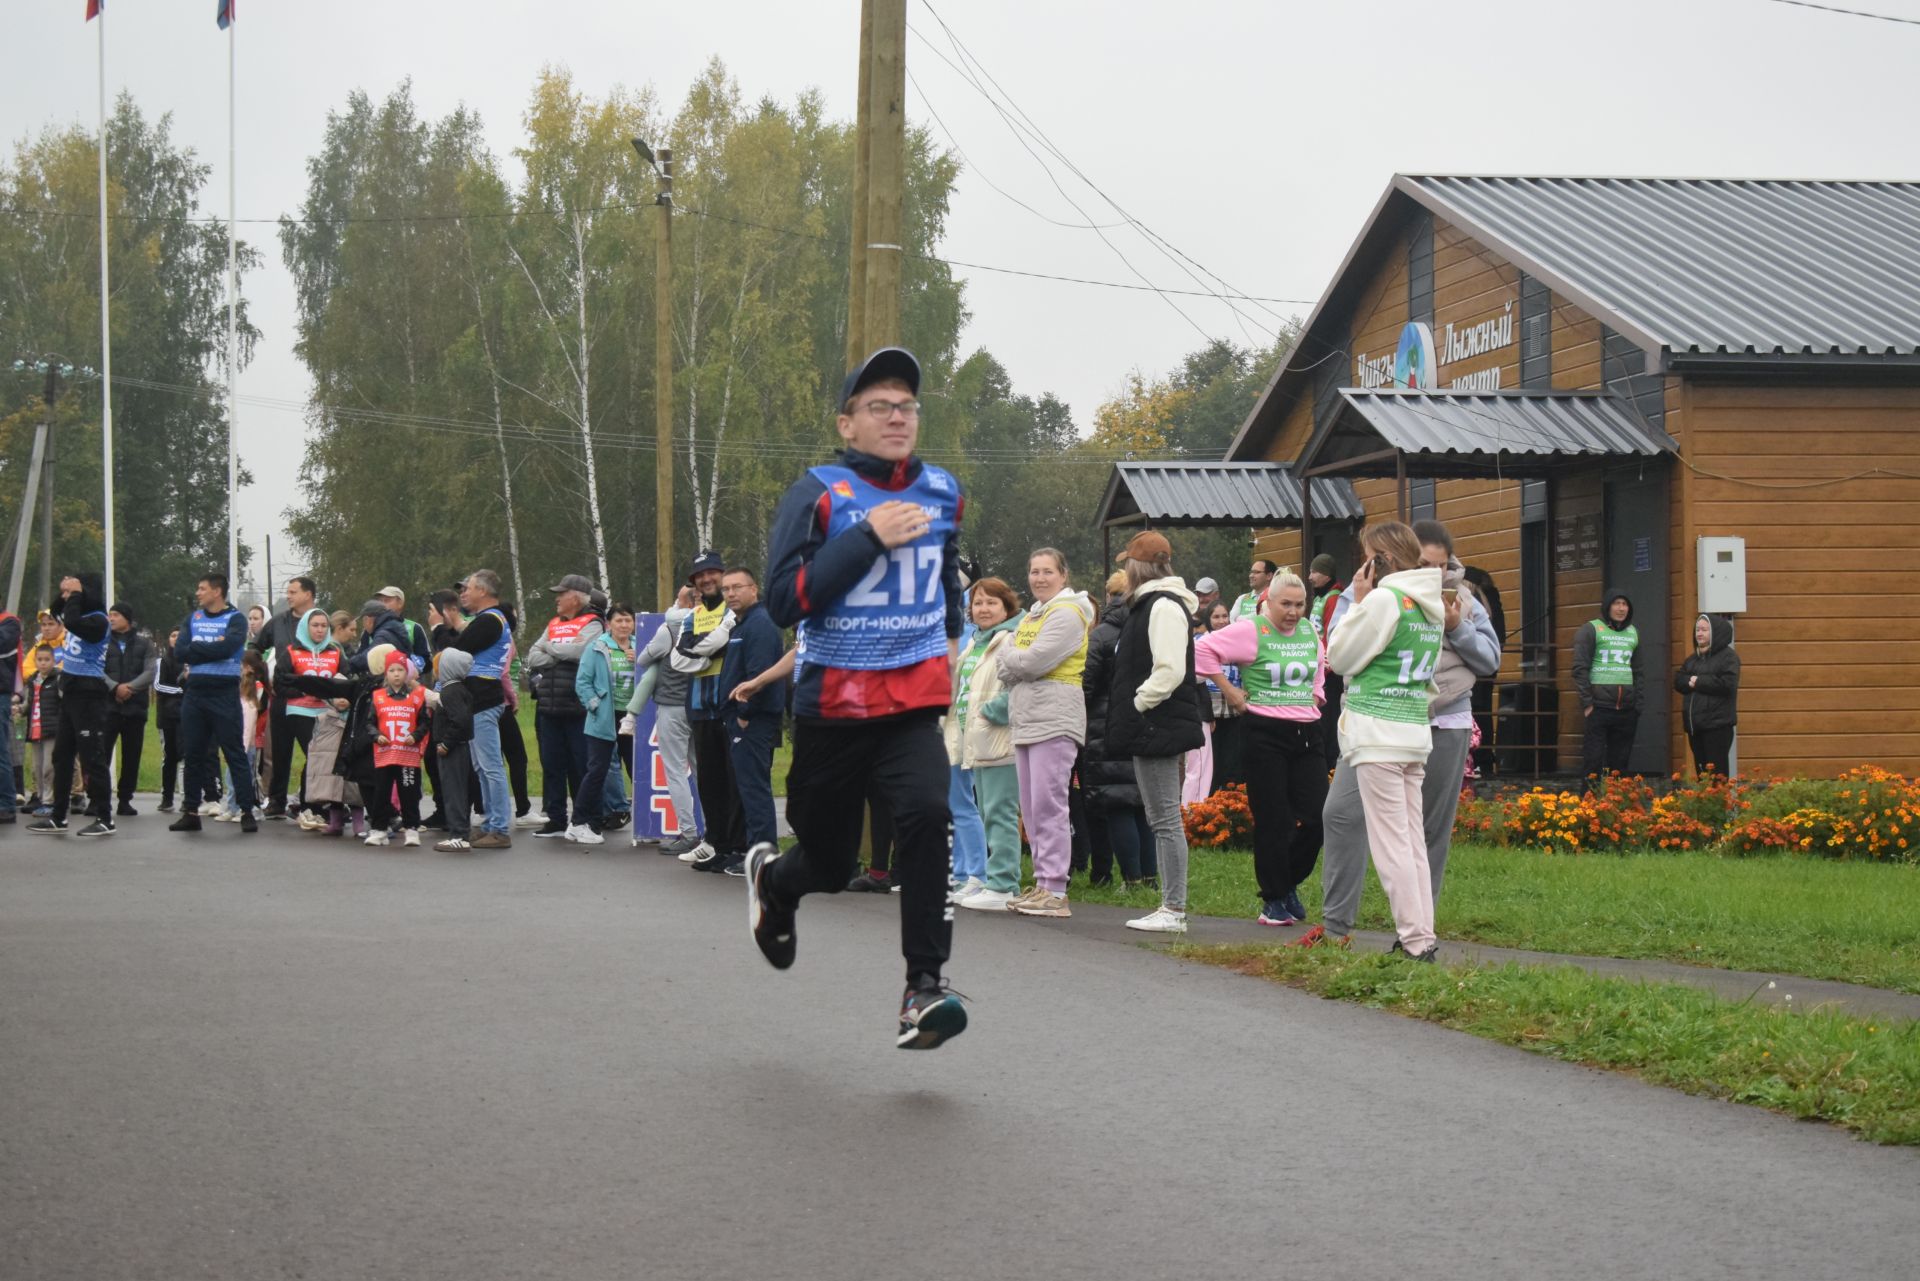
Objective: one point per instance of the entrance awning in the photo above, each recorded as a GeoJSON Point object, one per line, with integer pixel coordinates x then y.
{"type": "Point", "coordinates": [1474, 434]}
{"type": "Point", "coordinates": [1202, 494]}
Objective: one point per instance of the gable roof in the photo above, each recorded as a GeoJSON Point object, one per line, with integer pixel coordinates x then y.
{"type": "Point", "coordinates": [1476, 433]}
{"type": "Point", "coordinates": [1696, 272]}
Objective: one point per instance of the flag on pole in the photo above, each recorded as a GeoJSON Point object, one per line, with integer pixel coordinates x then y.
{"type": "Point", "coordinates": [223, 19]}
{"type": "Point", "coordinates": [95, 8]}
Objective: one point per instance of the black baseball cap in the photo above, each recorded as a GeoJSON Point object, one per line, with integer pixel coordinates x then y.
{"type": "Point", "coordinates": [573, 583]}
{"type": "Point", "coordinates": [888, 362]}
{"type": "Point", "coordinates": [707, 559]}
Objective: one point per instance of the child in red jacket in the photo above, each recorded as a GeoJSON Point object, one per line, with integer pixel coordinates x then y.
{"type": "Point", "coordinates": [400, 734]}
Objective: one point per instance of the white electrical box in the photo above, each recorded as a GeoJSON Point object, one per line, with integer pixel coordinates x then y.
{"type": "Point", "coordinates": [1723, 575]}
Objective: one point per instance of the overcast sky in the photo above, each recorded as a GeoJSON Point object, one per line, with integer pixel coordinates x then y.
{"type": "Point", "coordinates": [1253, 135]}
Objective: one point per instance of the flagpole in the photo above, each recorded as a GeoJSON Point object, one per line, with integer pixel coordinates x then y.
{"type": "Point", "coordinates": [106, 329]}
{"type": "Point", "coordinates": [233, 331]}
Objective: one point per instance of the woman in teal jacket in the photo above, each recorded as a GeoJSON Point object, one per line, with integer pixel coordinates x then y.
{"type": "Point", "coordinates": [603, 685]}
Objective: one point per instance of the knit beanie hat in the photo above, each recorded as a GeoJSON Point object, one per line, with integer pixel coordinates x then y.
{"type": "Point", "coordinates": [1322, 564]}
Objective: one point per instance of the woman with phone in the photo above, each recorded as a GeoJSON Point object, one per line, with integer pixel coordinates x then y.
{"type": "Point", "coordinates": [1387, 645]}
{"type": "Point", "coordinates": [1709, 686]}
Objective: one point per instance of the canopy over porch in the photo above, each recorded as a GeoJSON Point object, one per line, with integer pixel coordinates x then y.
{"type": "Point", "coordinates": [1202, 495]}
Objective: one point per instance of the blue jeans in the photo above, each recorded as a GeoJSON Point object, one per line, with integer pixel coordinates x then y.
{"type": "Point", "coordinates": [752, 747]}
{"type": "Point", "coordinates": [614, 799]}
{"type": "Point", "coordinates": [210, 719]}
{"type": "Point", "coordinates": [491, 766]}
{"type": "Point", "coordinates": [969, 833]}
{"type": "Point", "coordinates": [7, 794]}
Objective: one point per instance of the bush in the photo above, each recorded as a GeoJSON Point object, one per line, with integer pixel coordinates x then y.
{"type": "Point", "coordinates": [1221, 821]}
{"type": "Point", "coordinates": [1866, 813]}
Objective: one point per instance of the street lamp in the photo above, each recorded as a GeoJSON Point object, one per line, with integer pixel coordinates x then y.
{"type": "Point", "coordinates": [662, 165]}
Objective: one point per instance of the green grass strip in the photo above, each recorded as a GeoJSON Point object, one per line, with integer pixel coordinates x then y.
{"type": "Point", "coordinates": [1860, 1073]}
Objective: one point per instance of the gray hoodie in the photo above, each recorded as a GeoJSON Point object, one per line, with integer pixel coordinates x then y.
{"type": "Point", "coordinates": [1043, 675]}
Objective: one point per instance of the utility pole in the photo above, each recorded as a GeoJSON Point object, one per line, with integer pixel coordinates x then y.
{"type": "Point", "coordinates": [39, 476]}
{"type": "Point", "coordinates": [661, 162]}
{"type": "Point", "coordinates": [886, 172]}
{"type": "Point", "coordinates": [862, 132]}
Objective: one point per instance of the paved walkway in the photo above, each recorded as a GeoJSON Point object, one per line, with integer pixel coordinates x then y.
{"type": "Point", "coordinates": [284, 1056]}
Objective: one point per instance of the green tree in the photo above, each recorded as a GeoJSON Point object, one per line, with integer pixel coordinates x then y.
{"type": "Point", "coordinates": [169, 325]}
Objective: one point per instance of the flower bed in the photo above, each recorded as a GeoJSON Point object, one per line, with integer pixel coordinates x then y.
{"type": "Point", "coordinates": [1221, 821]}
{"type": "Point", "coordinates": [1867, 813]}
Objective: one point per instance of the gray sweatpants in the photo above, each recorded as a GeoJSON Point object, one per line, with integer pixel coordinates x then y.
{"type": "Point", "coordinates": [1440, 797]}
{"type": "Point", "coordinates": [1159, 780]}
{"type": "Point", "coordinates": [675, 733]}
{"type": "Point", "coordinates": [1343, 852]}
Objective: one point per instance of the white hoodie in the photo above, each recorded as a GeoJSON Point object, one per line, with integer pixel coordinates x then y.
{"type": "Point", "coordinates": [1365, 631]}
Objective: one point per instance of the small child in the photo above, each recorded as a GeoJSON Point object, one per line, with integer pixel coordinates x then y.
{"type": "Point", "coordinates": [41, 708]}
{"type": "Point", "coordinates": [400, 731]}
{"type": "Point", "coordinates": [253, 697]}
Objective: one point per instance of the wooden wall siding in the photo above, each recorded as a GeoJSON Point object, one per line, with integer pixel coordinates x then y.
{"type": "Point", "coordinates": [1830, 666]}
{"type": "Point", "coordinates": [1576, 603]}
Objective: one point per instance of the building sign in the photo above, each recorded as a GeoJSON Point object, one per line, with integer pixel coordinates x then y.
{"type": "Point", "coordinates": [1422, 353]}
{"type": "Point", "coordinates": [1576, 542]}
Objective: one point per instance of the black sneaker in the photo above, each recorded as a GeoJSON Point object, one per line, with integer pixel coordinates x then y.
{"type": "Point", "coordinates": [1429, 957]}
{"type": "Point", "coordinates": [871, 882]}
{"type": "Point", "coordinates": [248, 823]}
{"type": "Point", "coordinates": [48, 826]}
{"type": "Point", "coordinates": [99, 827]}
{"type": "Point", "coordinates": [710, 860]}
{"type": "Point", "coordinates": [9, 816]}
{"type": "Point", "coordinates": [772, 926]}
{"type": "Point", "coordinates": [166, 805]}
{"type": "Point", "coordinates": [930, 1015]}
{"type": "Point", "coordinates": [436, 820]}
{"type": "Point", "coordinates": [734, 865]}
{"type": "Point", "coordinates": [185, 823]}
{"type": "Point", "coordinates": [277, 810]}
{"type": "Point", "coordinates": [553, 829]}
{"type": "Point", "coordinates": [126, 810]}
{"type": "Point", "coordinates": [1295, 906]}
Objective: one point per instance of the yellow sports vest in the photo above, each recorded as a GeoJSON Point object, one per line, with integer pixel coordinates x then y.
{"type": "Point", "coordinates": [704, 621]}
{"type": "Point", "coordinates": [1069, 668]}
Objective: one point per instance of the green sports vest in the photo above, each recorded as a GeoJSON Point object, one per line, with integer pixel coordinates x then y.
{"type": "Point", "coordinates": [622, 668]}
{"type": "Point", "coordinates": [968, 661]}
{"type": "Point", "coordinates": [1393, 687]}
{"type": "Point", "coordinates": [1281, 673]}
{"type": "Point", "coordinates": [1613, 654]}
{"type": "Point", "coordinates": [1248, 606]}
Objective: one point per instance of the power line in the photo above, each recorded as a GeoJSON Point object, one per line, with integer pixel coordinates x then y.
{"type": "Point", "coordinates": [1850, 13]}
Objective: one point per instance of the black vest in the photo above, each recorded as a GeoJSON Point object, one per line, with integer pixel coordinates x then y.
{"type": "Point", "coordinates": [1172, 727]}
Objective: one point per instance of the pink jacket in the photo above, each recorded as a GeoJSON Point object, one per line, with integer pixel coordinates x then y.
{"type": "Point", "coordinates": [1236, 644]}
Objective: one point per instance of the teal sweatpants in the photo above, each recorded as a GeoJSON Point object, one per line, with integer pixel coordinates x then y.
{"type": "Point", "coordinates": [996, 788]}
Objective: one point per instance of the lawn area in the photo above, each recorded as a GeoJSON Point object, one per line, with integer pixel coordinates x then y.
{"type": "Point", "coordinates": [1860, 1073]}
{"type": "Point", "coordinates": [1855, 922]}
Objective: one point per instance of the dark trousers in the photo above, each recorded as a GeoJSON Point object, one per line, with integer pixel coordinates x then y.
{"type": "Point", "coordinates": [299, 730]}
{"type": "Point", "coordinates": [1080, 842]}
{"type": "Point", "coordinates": [386, 779]}
{"type": "Point", "coordinates": [513, 750]}
{"type": "Point", "coordinates": [209, 720]}
{"type": "Point", "coordinates": [430, 764]}
{"type": "Point", "coordinates": [1229, 752]}
{"type": "Point", "coordinates": [905, 760]}
{"type": "Point", "coordinates": [130, 733]}
{"type": "Point", "coordinates": [282, 734]}
{"type": "Point", "coordinates": [456, 788]}
{"type": "Point", "coordinates": [1336, 689]}
{"type": "Point", "coordinates": [1712, 750]}
{"type": "Point", "coordinates": [1120, 837]}
{"type": "Point", "coordinates": [563, 761]}
{"type": "Point", "coordinates": [752, 751]}
{"type": "Point", "coordinates": [86, 730]}
{"type": "Point", "coordinates": [1606, 742]}
{"type": "Point", "coordinates": [879, 833]}
{"type": "Point", "coordinates": [720, 799]}
{"type": "Point", "coordinates": [169, 761]}
{"type": "Point", "coordinates": [1286, 789]}
{"type": "Point", "coordinates": [590, 806]}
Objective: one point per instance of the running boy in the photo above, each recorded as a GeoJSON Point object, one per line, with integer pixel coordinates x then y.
{"type": "Point", "coordinates": [399, 731]}
{"type": "Point", "coordinates": [864, 558]}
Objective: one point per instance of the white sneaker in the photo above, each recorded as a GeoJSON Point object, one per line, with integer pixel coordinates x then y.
{"type": "Point", "coordinates": [227, 816]}
{"type": "Point", "coordinates": [210, 809]}
{"type": "Point", "coordinates": [310, 821]}
{"type": "Point", "coordinates": [583, 834]}
{"type": "Point", "coordinates": [376, 839]}
{"type": "Point", "coordinates": [986, 900]}
{"type": "Point", "coordinates": [410, 838]}
{"type": "Point", "coordinates": [698, 852]}
{"type": "Point", "coordinates": [1162, 920]}
{"type": "Point", "coordinates": [972, 885]}
{"type": "Point", "coordinates": [532, 818]}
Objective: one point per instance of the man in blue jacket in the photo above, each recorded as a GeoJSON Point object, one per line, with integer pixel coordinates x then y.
{"type": "Point", "coordinates": [209, 646]}
{"type": "Point", "coordinates": [86, 707]}
{"type": "Point", "coordinates": [755, 647]}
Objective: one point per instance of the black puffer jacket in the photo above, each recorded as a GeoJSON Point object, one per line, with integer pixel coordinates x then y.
{"type": "Point", "coordinates": [1168, 728]}
{"type": "Point", "coordinates": [1106, 777]}
{"type": "Point", "coordinates": [1709, 683]}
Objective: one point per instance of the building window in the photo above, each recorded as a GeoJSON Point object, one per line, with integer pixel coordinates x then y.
{"type": "Point", "coordinates": [1536, 333]}
{"type": "Point", "coordinates": [1422, 498]}
{"type": "Point", "coordinates": [1536, 580]}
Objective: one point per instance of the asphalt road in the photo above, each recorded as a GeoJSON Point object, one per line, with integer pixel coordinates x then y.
{"type": "Point", "coordinates": [282, 1056]}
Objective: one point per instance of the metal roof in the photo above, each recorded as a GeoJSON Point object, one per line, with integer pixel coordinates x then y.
{"type": "Point", "coordinates": [1711, 266]}
{"type": "Point", "coordinates": [1214, 493]}
{"type": "Point", "coordinates": [1477, 433]}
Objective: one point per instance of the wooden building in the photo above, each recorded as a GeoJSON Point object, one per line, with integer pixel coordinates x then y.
{"type": "Point", "coordinates": [1584, 378]}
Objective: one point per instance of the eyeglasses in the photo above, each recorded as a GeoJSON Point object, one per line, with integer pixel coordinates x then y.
{"type": "Point", "coordinates": [884, 409]}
